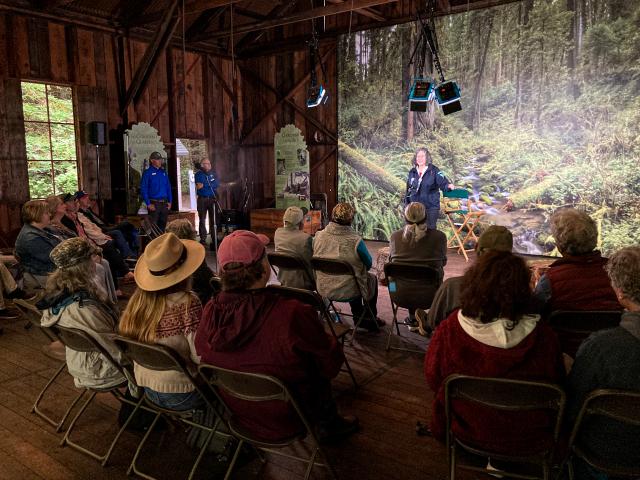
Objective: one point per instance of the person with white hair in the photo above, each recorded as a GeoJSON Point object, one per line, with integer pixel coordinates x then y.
{"type": "Point", "coordinates": [291, 240]}
{"type": "Point", "coordinates": [418, 245]}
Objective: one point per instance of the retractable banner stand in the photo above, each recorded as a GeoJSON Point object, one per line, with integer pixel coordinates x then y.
{"type": "Point", "coordinates": [140, 141]}
{"type": "Point", "coordinates": [292, 168]}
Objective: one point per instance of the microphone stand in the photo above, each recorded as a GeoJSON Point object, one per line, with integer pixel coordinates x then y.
{"type": "Point", "coordinates": [214, 234]}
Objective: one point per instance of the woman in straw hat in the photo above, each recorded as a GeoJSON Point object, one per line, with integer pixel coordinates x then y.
{"type": "Point", "coordinates": [163, 310]}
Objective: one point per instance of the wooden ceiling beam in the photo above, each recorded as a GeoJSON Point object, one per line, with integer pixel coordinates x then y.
{"type": "Point", "coordinates": [51, 4]}
{"type": "Point", "coordinates": [302, 16]}
{"type": "Point", "coordinates": [251, 37]}
{"type": "Point", "coordinates": [366, 12]}
{"type": "Point", "coordinates": [201, 24]}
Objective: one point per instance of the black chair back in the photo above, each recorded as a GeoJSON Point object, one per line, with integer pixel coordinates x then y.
{"type": "Point", "coordinates": [152, 356]}
{"type": "Point", "coordinates": [290, 262]}
{"type": "Point", "coordinates": [307, 297]}
{"type": "Point", "coordinates": [412, 286]}
{"type": "Point", "coordinates": [573, 327]}
{"type": "Point", "coordinates": [332, 267]}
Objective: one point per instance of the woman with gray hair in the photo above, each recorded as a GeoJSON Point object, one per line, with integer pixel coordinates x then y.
{"type": "Point", "coordinates": [610, 359]}
{"type": "Point", "coordinates": [417, 245]}
{"type": "Point", "coordinates": [577, 281]}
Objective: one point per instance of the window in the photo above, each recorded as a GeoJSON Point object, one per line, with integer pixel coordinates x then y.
{"type": "Point", "coordinates": [50, 137]}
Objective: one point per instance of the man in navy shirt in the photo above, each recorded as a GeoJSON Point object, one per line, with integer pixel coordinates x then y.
{"type": "Point", "coordinates": [206, 185]}
{"type": "Point", "coordinates": [156, 191]}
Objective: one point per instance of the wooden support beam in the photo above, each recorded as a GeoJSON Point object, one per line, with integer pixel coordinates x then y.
{"type": "Point", "coordinates": [191, 7]}
{"type": "Point", "coordinates": [218, 74]}
{"type": "Point", "coordinates": [200, 25]}
{"type": "Point", "coordinates": [251, 37]}
{"type": "Point", "coordinates": [155, 48]}
{"type": "Point", "coordinates": [302, 16]}
{"type": "Point", "coordinates": [51, 4]}
{"type": "Point", "coordinates": [367, 12]}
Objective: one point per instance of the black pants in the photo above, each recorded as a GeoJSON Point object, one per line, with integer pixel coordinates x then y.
{"type": "Point", "coordinates": [117, 264]}
{"type": "Point", "coordinates": [206, 205]}
{"type": "Point", "coordinates": [358, 304]}
{"type": "Point", "coordinates": [159, 215]}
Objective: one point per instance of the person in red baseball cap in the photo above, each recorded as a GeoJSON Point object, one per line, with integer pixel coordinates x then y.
{"type": "Point", "coordinates": [250, 328]}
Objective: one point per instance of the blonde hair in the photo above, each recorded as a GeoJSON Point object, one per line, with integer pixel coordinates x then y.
{"type": "Point", "coordinates": [52, 203]}
{"type": "Point", "coordinates": [76, 278]}
{"type": "Point", "coordinates": [414, 214]}
{"type": "Point", "coordinates": [33, 210]}
{"type": "Point", "coordinates": [181, 228]}
{"type": "Point", "coordinates": [144, 311]}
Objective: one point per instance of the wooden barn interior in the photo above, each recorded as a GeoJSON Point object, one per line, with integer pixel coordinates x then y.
{"type": "Point", "coordinates": [229, 73]}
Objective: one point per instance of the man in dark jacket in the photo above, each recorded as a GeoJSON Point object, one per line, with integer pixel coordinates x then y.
{"type": "Point", "coordinates": [249, 328]}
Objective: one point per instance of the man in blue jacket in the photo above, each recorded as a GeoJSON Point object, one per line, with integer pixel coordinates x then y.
{"type": "Point", "coordinates": [206, 185]}
{"type": "Point", "coordinates": [156, 191]}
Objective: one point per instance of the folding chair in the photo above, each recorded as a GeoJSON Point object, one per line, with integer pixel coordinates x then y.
{"type": "Point", "coordinates": [403, 281]}
{"type": "Point", "coordinates": [503, 395]}
{"type": "Point", "coordinates": [290, 262]}
{"type": "Point", "coordinates": [620, 406]}
{"type": "Point", "coordinates": [162, 358]}
{"type": "Point", "coordinates": [81, 341]}
{"type": "Point", "coordinates": [313, 299]}
{"type": "Point", "coordinates": [573, 327]}
{"type": "Point", "coordinates": [341, 268]}
{"type": "Point", "coordinates": [469, 219]}
{"type": "Point", "coordinates": [254, 387]}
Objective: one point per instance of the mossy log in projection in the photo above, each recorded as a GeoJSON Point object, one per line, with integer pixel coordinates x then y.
{"type": "Point", "coordinates": [373, 172]}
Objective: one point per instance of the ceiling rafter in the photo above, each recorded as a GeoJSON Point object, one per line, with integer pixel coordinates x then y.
{"type": "Point", "coordinates": [366, 12]}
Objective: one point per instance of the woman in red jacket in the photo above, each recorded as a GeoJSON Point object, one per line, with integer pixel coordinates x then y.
{"type": "Point", "coordinates": [492, 335]}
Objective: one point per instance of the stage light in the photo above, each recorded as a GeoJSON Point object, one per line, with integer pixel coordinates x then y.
{"type": "Point", "coordinates": [317, 95]}
{"type": "Point", "coordinates": [421, 92]}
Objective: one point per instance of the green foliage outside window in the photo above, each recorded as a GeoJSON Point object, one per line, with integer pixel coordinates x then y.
{"type": "Point", "coordinates": [50, 139]}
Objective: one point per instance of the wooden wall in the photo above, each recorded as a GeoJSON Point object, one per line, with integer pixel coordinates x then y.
{"type": "Point", "coordinates": [188, 95]}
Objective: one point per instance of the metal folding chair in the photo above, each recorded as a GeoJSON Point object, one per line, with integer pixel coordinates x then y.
{"type": "Point", "coordinates": [258, 388]}
{"type": "Point", "coordinates": [341, 268]}
{"type": "Point", "coordinates": [162, 358]}
{"type": "Point", "coordinates": [463, 229]}
{"type": "Point", "coordinates": [81, 341]}
{"type": "Point", "coordinates": [313, 299]}
{"type": "Point", "coordinates": [283, 261]}
{"type": "Point", "coordinates": [607, 405]}
{"type": "Point", "coordinates": [403, 280]}
{"type": "Point", "coordinates": [503, 395]}
{"type": "Point", "coordinates": [573, 327]}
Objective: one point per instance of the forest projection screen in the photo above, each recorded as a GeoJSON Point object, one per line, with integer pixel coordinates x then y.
{"type": "Point", "coordinates": [551, 118]}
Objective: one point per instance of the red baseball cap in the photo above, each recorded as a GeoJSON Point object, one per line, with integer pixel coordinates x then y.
{"type": "Point", "coordinates": [242, 246]}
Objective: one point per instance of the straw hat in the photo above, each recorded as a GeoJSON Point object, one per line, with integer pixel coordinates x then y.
{"type": "Point", "coordinates": [167, 261]}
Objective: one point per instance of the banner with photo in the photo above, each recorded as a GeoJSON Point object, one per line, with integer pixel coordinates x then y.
{"type": "Point", "coordinates": [292, 168]}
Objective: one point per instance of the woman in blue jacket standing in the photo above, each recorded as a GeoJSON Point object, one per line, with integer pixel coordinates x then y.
{"type": "Point", "coordinates": [424, 184]}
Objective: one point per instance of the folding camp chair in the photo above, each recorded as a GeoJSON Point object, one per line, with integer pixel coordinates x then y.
{"type": "Point", "coordinates": [163, 358]}
{"type": "Point", "coordinates": [341, 268]}
{"type": "Point", "coordinates": [463, 229]}
{"type": "Point", "coordinates": [81, 341]}
{"type": "Point", "coordinates": [290, 262]}
{"type": "Point", "coordinates": [404, 280]}
{"type": "Point", "coordinates": [573, 327]}
{"type": "Point", "coordinates": [504, 396]}
{"type": "Point", "coordinates": [313, 299]}
{"type": "Point", "coordinates": [619, 406]}
{"type": "Point", "coordinates": [258, 388]}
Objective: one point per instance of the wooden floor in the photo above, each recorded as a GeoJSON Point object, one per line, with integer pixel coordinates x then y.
{"type": "Point", "coordinates": [392, 397]}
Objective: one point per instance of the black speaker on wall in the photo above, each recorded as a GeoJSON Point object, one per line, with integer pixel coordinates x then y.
{"type": "Point", "coordinates": [96, 133]}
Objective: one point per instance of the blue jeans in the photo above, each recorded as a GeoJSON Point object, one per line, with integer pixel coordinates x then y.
{"type": "Point", "coordinates": [432, 217]}
{"type": "Point", "coordinates": [121, 243]}
{"type": "Point", "coordinates": [175, 401]}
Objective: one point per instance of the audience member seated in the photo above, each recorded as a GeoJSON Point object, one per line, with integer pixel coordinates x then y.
{"type": "Point", "coordinates": [163, 310]}
{"type": "Point", "coordinates": [124, 234]}
{"type": "Point", "coordinates": [447, 298]}
{"type": "Point", "coordinates": [34, 244]}
{"type": "Point", "coordinates": [201, 284]}
{"type": "Point", "coordinates": [610, 359]}
{"type": "Point", "coordinates": [577, 281]}
{"type": "Point", "coordinates": [86, 229]}
{"type": "Point", "coordinates": [291, 240]}
{"type": "Point", "coordinates": [103, 277]}
{"type": "Point", "coordinates": [338, 241]}
{"type": "Point", "coordinates": [72, 299]}
{"type": "Point", "coordinates": [251, 329]}
{"type": "Point", "coordinates": [8, 289]}
{"type": "Point", "coordinates": [415, 244]}
{"type": "Point", "coordinates": [492, 336]}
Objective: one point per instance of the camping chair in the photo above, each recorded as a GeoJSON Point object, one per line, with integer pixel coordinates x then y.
{"type": "Point", "coordinates": [502, 395]}
{"type": "Point", "coordinates": [620, 406]}
{"type": "Point", "coordinates": [573, 327]}
{"type": "Point", "coordinates": [163, 358]}
{"type": "Point", "coordinates": [290, 262]}
{"type": "Point", "coordinates": [469, 219]}
{"type": "Point", "coordinates": [313, 299]}
{"type": "Point", "coordinates": [81, 341]}
{"type": "Point", "coordinates": [254, 387]}
{"type": "Point", "coordinates": [403, 280]}
{"type": "Point", "coordinates": [340, 268]}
